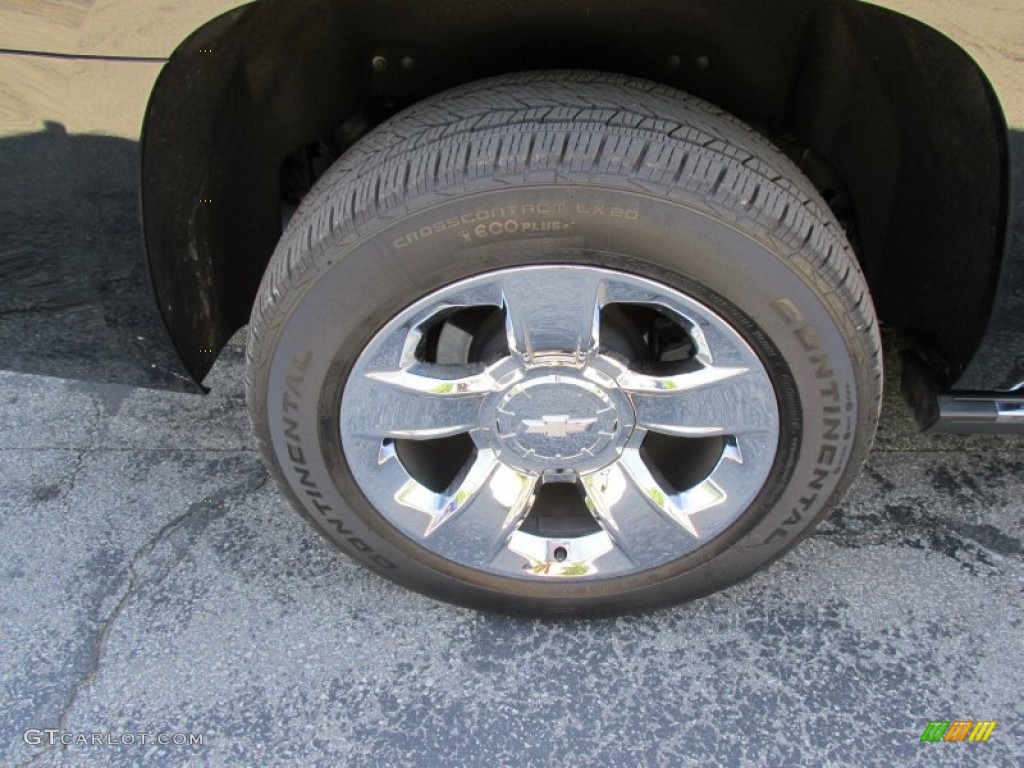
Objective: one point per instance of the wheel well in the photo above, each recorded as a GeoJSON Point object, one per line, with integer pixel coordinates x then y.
{"type": "Point", "coordinates": [895, 124]}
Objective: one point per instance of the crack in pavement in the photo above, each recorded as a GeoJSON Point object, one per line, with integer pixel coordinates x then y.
{"type": "Point", "coordinates": [76, 467]}
{"type": "Point", "coordinates": [79, 458]}
{"type": "Point", "coordinates": [137, 574]}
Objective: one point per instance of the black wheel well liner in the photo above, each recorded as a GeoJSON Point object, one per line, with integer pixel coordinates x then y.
{"type": "Point", "coordinates": [902, 115]}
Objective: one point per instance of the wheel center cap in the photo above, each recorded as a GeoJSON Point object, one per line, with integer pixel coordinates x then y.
{"type": "Point", "coordinates": [561, 421]}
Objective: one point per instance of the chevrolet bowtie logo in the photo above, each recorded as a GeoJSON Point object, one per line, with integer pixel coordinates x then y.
{"type": "Point", "coordinates": [557, 426]}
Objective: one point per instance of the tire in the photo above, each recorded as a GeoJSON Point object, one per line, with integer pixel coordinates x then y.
{"type": "Point", "coordinates": [709, 254]}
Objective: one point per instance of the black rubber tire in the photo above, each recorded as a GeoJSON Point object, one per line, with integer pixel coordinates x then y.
{"type": "Point", "coordinates": [620, 173]}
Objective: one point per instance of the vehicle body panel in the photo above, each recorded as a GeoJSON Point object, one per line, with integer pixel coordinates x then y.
{"type": "Point", "coordinates": [993, 34]}
{"type": "Point", "coordinates": [76, 287]}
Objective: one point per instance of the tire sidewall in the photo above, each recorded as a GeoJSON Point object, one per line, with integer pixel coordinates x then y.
{"type": "Point", "coordinates": [361, 279]}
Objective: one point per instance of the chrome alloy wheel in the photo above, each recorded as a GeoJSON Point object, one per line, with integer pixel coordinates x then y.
{"type": "Point", "coordinates": [559, 422]}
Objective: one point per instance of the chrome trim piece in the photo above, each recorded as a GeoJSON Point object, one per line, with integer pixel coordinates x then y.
{"type": "Point", "coordinates": [1009, 412]}
{"type": "Point", "coordinates": [978, 413]}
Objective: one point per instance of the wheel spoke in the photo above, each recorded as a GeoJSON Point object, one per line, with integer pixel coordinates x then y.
{"type": "Point", "coordinates": [648, 522]}
{"type": "Point", "coordinates": [403, 404]}
{"type": "Point", "coordinates": [704, 378]}
{"type": "Point", "coordinates": [481, 513]}
{"type": "Point", "coordinates": [711, 401]}
{"type": "Point", "coordinates": [557, 315]}
{"type": "Point", "coordinates": [440, 507]}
